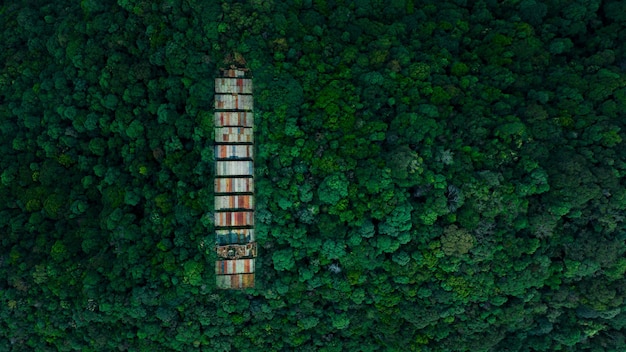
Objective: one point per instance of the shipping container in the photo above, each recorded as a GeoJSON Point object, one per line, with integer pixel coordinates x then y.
{"type": "Point", "coordinates": [234, 168]}
{"type": "Point", "coordinates": [234, 102]}
{"type": "Point", "coordinates": [234, 202]}
{"type": "Point", "coordinates": [237, 281]}
{"type": "Point", "coordinates": [234, 185]}
{"type": "Point", "coordinates": [236, 266]}
{"type": "Point", "coordinates": [234, 218]}
{"type": "Point", "coordinates": [234, 118]}
{"type": "Point", "coordinates": [234, 135]}
{"type": "Point", "coordinates": [233, 85]}
{"type": "Point", "coordinates": [223, 151]}
{"type": "Point", "coordinates": [234, 236]}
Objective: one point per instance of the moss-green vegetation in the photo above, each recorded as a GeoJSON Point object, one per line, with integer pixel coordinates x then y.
{"type": "Point", "coordinates": [431, 176]}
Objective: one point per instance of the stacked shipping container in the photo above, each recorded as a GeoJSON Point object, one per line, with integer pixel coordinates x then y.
{"type": "Point", "coordinates": [233, 151]}
{"type": "Point", "coordinates": [233, 135]}
{"type": "Point", "coordinates": [234, 182]}
{"type": "Point", "coordinates": [234, 202]}
{"type": "Point", "coordinates": [234, 168]}
{"type": "Point", "coordinates": [234, 185]}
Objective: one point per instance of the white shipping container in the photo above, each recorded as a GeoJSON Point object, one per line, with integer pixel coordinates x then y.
{"type": "Point", "coordinates": [234, 102]}
{"type": "Point", "coordinates": [234, 168]}
{"type": "Point", "coordinates": [234, 135]}
{"type": "Point", "coordinates": [234, 202]}
{"type": "Point", "coordinates": [233, 85]}
{"type": "Point", "coordinates": [224, 151]}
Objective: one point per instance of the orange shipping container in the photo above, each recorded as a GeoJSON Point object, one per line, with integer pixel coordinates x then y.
{"type": "Point", "coordinates": [234, 118]}
{"type": "Point", "coordinates": [234, 218]}
{"type": "Point", "coordinates": [237, 266]}
{"type": "Point", "coordinates": [237, 281]}
{"type": "Point", "coordinates": [234, 185]}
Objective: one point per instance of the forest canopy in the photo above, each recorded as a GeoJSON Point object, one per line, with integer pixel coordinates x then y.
{"type": "Point", "coordinates": [430, 175]}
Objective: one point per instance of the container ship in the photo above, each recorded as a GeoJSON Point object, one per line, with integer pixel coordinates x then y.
{"type": "Point", "coordinates": [234, 180]}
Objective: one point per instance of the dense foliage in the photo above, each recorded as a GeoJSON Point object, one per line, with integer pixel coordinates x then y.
{"type": "Point", "coordinates": [431, 175]}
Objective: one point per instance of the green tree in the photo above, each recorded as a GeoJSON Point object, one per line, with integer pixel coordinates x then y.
{"type": "Point", "coordinates": [333, 188]}
{"type": "Point", "coordinates": [283, 260]}
{"type": "Point", "coordinates": [456, 241]}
